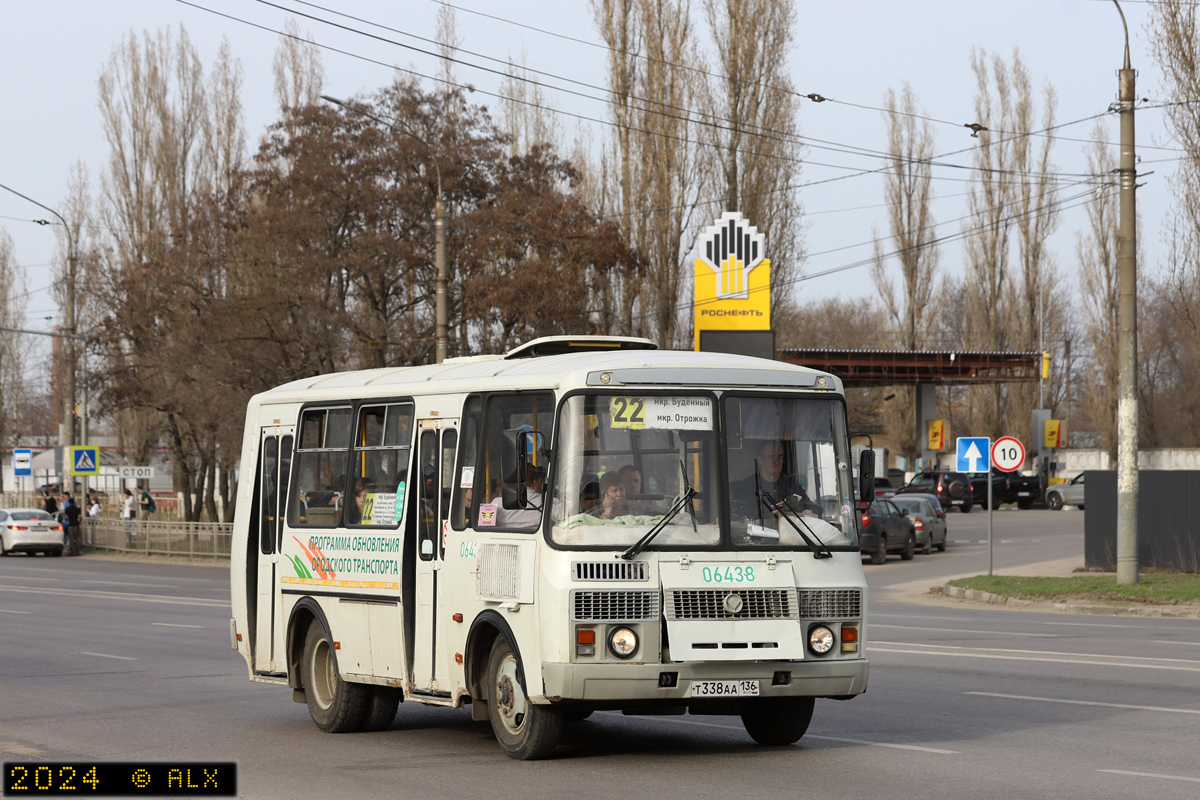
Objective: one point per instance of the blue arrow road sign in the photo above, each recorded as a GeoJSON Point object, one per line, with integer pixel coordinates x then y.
{"type": "Point", "coordinates": [22, 461]}
{"type": "Point", "coordinates": [974, 453]}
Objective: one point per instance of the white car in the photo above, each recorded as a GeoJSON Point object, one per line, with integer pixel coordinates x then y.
{"type": "Point", "coordinates": [30, 531]}
{"type": "Point", "coordinates": [1066, 494]}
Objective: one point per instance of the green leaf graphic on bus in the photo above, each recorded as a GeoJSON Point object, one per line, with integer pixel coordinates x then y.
{"type": "Point", "coordinates": [301, 570]}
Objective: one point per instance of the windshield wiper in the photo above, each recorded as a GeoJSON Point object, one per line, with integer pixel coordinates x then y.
{"type": "Point", "coordinates": [819, 548]}
{"type": "Point", "coordinates": [683, 501]}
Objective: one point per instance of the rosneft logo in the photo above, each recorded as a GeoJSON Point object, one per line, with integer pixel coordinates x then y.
{"type": "Point", "coordinates": [732, 248]}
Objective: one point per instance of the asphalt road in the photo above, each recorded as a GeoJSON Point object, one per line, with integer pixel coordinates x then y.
{"type": "Point", "coordinates": [107, 659]}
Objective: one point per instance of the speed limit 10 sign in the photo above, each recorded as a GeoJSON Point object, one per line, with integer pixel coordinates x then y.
{"type": "Point", "coordinates": [1008, 454]}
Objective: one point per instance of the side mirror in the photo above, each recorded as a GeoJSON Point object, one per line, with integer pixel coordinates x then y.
{"type": "Point", "coordinates": [512, 456]}
{"type": "Point", "coordinates": [904, 512]}
{"type": "Point", "coordinates": [866, 476]}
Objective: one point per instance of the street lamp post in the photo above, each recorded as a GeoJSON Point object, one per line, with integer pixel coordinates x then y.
{"type": "Point", "coordinates": [68, 431]}
{"type": "Point", "coordinates": [1127, 400]}
{"type": "Point", "coordinates": [439, 226]}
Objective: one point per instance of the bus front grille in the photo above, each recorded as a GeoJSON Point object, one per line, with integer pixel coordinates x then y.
{"type": "Point", "coordinates": [711, 604]}
{"type": "Point", "coordinates": [605, 606]}
{"type": "Point", "coordinates": [830, 603]}
{"type": "Point", "coordinates": [610, 571]}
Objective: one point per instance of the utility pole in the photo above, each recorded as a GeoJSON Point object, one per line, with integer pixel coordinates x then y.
{"type": "Point", "coordinates": [1127, 401]}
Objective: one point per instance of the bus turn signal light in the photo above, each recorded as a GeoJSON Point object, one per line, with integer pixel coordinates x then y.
{"type": "Point", "coordinates": [457, 618]}
{"type": "Point", "coordinates": [585, 637]}
{"type": "Point", "coordinates": [849, 640]}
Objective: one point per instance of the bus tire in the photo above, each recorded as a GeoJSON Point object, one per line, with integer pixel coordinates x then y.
{"type": "Point", "coordinates": [524, 730]}
{"type": "Point", "coordinates": [335, 705]}
{"type": "Point", "coordinates": [777, 720]}
{"type": "Point", "coordinates": [382, 703]}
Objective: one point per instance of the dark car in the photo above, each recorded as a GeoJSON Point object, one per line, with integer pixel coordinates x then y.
{"type": "Point", "coordinates": [885, 487]}
{"type": "Point", "coordinates": [951, 488]}
{"type": "Point", "coordinates": [887, 529]}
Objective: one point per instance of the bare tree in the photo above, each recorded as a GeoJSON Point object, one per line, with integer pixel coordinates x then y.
{"type": "Point", "coordinates": [1096, 251]}
{"type": "Point", "coordinates": [525, 116]}
{"type": "Point", "coordinates": [908, 190]}
{"type": "Point", "coordinates": [12, 347]}
{"type": "Point", "coordinates": [299, 73]}
{"type": "Point", "coordinates": [755, 113]}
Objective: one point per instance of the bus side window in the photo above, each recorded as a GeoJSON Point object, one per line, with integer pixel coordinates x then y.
{"type": "Point", "coordinates": [379, 472]}
{"type": "Point", "coordinates": [319, 469]}
{"type": "Point", "coordinates": [467, 487]}
{"type": "Point", "coordinates": [532, 411]}
{"type": "Point", "coordinates": [428, 493]}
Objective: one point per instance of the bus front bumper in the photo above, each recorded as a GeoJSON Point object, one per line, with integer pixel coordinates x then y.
{"type": "Point", "coordinates": [616, 682]}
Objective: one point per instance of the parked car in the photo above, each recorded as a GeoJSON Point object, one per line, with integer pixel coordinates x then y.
{"type": "Point", "coordinates": [29, 530]}
{"type": "Point", "coordinates": [884, 487]}
{"type": "Point", "coordinates": [1007, 487]}
{"type": "Point", "coordinates": [928, 524]}
{"type": "Point", "coordinates": [951, 488]}
{"type": "Point", "coordinates": [1061, 494]}
{"type": "Point", "coordinates": [887, 529]}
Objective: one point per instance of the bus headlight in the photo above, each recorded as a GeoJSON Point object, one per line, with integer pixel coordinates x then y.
{"type": "Point", "coordinates": [623, 643]}
{"type": "Point", "coordinates": [820, 640]}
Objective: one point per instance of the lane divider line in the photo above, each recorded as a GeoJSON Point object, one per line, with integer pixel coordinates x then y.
{"type": "Point", "coordinates": [963, 630]}
{"type": "Point", "coordinates": [174, 625]}
{"type": "Point", "coordinates": [1085, 703]}
{"type": "Point", "coordinates": [1027, 658]}
{"type": "Point", "coordinates": [1044, 652]}
{"type": "Point", "coordinates": [1149, 775]}
{"type": "Point", "coordinates": [106, 655]}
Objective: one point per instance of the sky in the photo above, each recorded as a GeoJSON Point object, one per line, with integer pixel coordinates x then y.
{"type": "Point", "coordinates": [52, 52]}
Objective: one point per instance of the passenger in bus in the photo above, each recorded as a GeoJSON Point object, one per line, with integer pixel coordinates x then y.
{"type": "Point", "coordinates": [764, 494]}
{"type": "Point", "coordinates": [589, 497]}
{"type": "Point", "coordinates": [632, 477]}
{"type": "Point", "coordinates": [531, 515]}
{"type": "Point", "coordinates": [358, 500]}
{"type": "Point", "coordinates": [612, 496]}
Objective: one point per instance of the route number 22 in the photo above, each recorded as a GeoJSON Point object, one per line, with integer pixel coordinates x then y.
{"type": "Point", "coordinates": [628, 412]}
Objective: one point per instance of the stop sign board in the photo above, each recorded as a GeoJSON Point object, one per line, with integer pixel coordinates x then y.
{"type": "Point", "coordinates": [1008, 454]}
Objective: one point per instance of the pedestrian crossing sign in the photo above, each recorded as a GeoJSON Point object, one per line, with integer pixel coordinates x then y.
{"type": "Point", "coordinates": [85, 460]}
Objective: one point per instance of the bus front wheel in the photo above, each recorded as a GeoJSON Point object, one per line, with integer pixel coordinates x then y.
{"type": "Point", "coordinates": [335, 705]}
{"type": "Point", "coordinates": [525, 731]}
{"type": "Point", "coordinates": [777, 720]}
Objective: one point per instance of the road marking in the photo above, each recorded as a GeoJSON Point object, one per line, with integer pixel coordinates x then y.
{"type": "Point", "coordinates": [1085, 703]}
{"type": "Point", "coordinates": [174, 625]}
{"type": "Point", "coordinates": [1044, 652]}
{"type": "Point", "coordinates": [126, 583]}
{"type": "Point", "coordinates": [1149, 775]}
{"type": "Point", "coordinates": [806, 736]}
{"type": "Point", "coordinates": [963, 630]}
{"type": "Point", "coordinates": [100, 595]}
{"type": "Point", "coordinates": [106, 655]}
{"type": "Point", "coordinates": [6, 611]}
{"type": "Point", "coordinates": [949, 651]}
{"type": "Point", "coordinates": [1096, 625]}
{"type": "Point", "coordinates": [1155, 641]}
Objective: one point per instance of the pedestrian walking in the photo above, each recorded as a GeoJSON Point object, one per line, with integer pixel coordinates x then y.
{"type": "Point", "coordinates": [127, 511]}
{"type": "Point", "coordinates": [93, 512]}
{"type": "Point", "coordinates": [146, 504]}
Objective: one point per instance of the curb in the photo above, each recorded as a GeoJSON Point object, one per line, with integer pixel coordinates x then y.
{"type": "Point", "coordinates": [975, 595]}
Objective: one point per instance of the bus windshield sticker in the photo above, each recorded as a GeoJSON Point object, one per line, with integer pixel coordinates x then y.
{"type": "Point", "coordinates": [487, 515]}
{"type": "Point", "coordinates": [399, 503]}
{"type": "Point", "coordinates": [468, 478]}
{"type": "Point", "coordinates": [383, 510]}
{"type": "Point", "coordinates": [662, 413]}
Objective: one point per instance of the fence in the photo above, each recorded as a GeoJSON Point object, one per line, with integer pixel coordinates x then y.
{"type": "Point", "coordinates": [195, 539]}
{"type": "Point", "coordinates": [1168, 533]}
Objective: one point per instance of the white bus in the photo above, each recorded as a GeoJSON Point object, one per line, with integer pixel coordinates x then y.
{"type": "Point", "coordinates": [580, 524]}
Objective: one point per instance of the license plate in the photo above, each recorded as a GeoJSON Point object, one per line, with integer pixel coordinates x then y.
{"type": "Point", "coordinates": [723, 689]}
{"type": "Point", "coordinates": [1024, 494]}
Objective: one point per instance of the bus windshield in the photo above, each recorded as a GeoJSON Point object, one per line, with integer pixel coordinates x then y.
{"type": "Point", "coordinates": [625, 462]}
{"type": "Point", "coordinates": [789, 472]}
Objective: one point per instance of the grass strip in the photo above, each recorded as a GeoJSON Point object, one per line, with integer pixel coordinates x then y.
{"type": "Point", "coordinates": [1152, 588]}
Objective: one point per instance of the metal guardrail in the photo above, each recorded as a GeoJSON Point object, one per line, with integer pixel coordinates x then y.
{"type": "Point", "coordinates": [194, 539]}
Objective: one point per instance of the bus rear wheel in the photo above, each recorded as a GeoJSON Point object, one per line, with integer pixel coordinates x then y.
{"type": "Point", "coordinates": [335, 705]}
{"type": "Point", "coordinates": [381, 708]}
{"type": "Point", "coordinates": [524, 730]}
{"type": "Point", "coordinates": [777, 720]}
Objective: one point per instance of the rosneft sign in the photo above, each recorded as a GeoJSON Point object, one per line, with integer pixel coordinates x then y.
{"type": "Point", "coordinates": [732, 278]}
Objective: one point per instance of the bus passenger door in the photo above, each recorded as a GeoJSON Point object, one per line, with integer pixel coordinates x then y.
{"type": "Point", "coordinates": [274, 464]}
{"type": "Point", "coordinates": [437, 442]}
